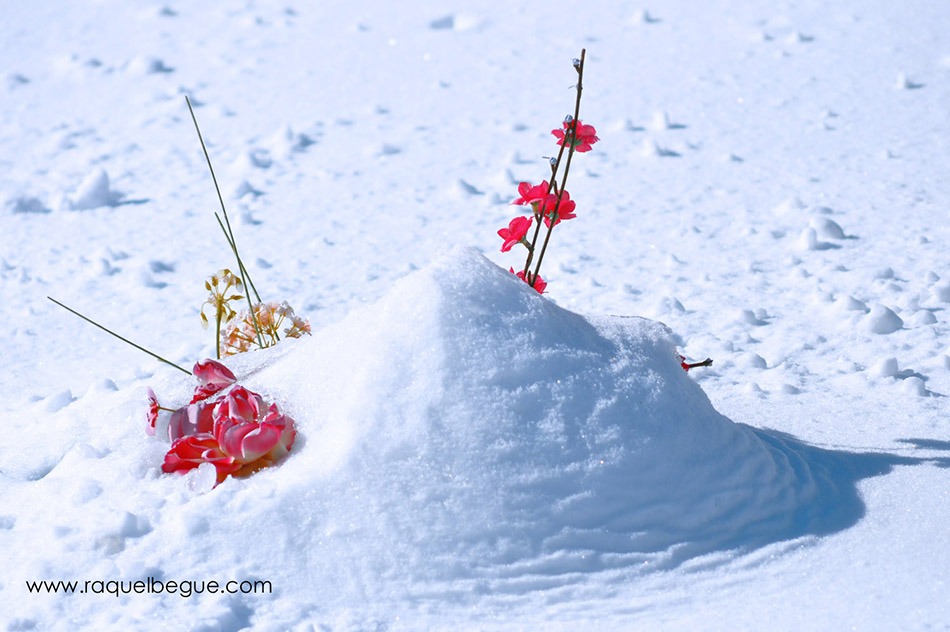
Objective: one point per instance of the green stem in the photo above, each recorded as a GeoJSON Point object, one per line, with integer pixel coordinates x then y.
{"type": "Point", "coordinates": [240, 262]}
{"type": "Point", "coordinates": [217, 333]}
{"type": "Point", "coordinates": [231, 241]}
{"type": "Point", "coordinates": [125, 340]}
{"type": "Point", "coordinates": [244, 275]}
{"type": "Point", "coordinates": [250, 306]}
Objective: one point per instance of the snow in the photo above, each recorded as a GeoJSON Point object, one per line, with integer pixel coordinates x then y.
{"type": "Point", "coordinates": [769, 191]}
{"type": "Point", "coordinates": [93, 192]}
{"type": "Point", "coordinates": [883, 320]}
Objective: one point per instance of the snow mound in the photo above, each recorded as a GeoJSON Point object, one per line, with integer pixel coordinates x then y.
{"type": "Point", "coordinates": [462, 437]}
{"type": "Point", "coordinates": [883, 320]}
{"type": "Point", "coordinates": [94, 191]}
{"type": "Point", "coordinates": [464, 428]}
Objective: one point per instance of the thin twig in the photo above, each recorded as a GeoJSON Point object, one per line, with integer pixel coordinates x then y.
{"type": "Point", "coordinates": [257, 325]}
{"type": "Point", "coordinates": [245, 274]}
{"type": "Point", "coordinates": [217, 333]}
{"type": "Point", "coordinates": [125, 340]}
{"type": "Point", "coordinates": [240, 262]}
{"type": "Point", "coordinates": [537, 229]}
{"type": "Point", "coordinates": [231, 241]}
{"type": "Point", "coordinates": [567, 168]}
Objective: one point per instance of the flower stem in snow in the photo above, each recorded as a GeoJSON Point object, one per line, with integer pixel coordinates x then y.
{"type": "Point", "coordinates": [243, 270]}
{"type": "Point", "coordinates": [229, 232]}
{"type": "Point", "coordinates": [125, 340]}
{"type": "Point", "coordinates": [217, 333]}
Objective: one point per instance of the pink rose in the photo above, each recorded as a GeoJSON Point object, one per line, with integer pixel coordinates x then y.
{"type": "Point", "coordinates": [187, 453]}
{"type": "Point", "coordinates": [191, 420]}
{"type": "Point", "coordinates": [248, 430]}
{"type": "Point", "coordinates": [238, 434]}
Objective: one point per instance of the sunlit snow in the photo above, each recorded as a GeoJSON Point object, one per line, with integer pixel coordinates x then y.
{"type": "Point", "coordinates": [769, 190]}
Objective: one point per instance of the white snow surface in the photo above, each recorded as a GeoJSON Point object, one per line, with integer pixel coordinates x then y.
{"type": "Point", "coordinates": [769, 190]}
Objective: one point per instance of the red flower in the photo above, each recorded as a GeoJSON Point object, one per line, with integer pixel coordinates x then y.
{"type": "Point", "coordinates": [531, 194]}
{"type": "Point", "coordinates": [564, 211]}
{"type": "Point", "coordinates": [213, 377]}
{"type": "Point", "coordinates": [152, 415]}
{"type": "Point", "coordinates": [239, 435]}
{"type": "Point", "coordinates": [517, 229]}
{"type": "Point", "coordinates": [539, 284]}
{"type": "Point", "coordinates": [191, 420]}
{"type": "Point", "coordinates": [248, 431]}
{"type": "Point", "coordinates": [580, 136]}
{"type": "Point", "coordinates": [189, 452]}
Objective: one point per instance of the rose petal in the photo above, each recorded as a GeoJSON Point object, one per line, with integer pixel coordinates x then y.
{"type": "Point", "coordinates": [212, 372]}
{"type": "Point", "coordinates": [190, 420]}
{"type": "Point", "coordinates": [259, 442]}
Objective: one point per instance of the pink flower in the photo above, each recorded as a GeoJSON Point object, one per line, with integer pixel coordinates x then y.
{"type": "Point", "coordinates": [531, 194]}
{"type": "Point", "coordinates": [239, 435]}
{"type": "Point", "coordinates": [580, 136]}
{"type": "Point", "coordinates": [564, 211]}
{"type": "Point", "coordinates": [152, 415]}
{"type": "Point", "coordinates": [248, 431]}
{"type": "Point", "coordinates": [189, 452]}
{"type": "Point", "coordinates": [191, 420]}
{"type": "Point", "coordinates": [213, 377]}
{"type": "Point", "coordinates": [539, 284]}
{"type": "Point", "coordinates": [517, 229]}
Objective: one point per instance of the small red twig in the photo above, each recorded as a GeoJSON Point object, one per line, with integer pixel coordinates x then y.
{"type": "Point", "coordinates": [687, 366]}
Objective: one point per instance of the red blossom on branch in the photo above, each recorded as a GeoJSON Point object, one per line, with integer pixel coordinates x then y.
{"type": "Point", "coordinates": [550, 200]}
{"type": "Point", "coordinates": [530, 194]}
{"type": "Point", "coordinates": [539, 284]}
{"type": "Point", "coordinates": [564, 211]}
{"type": "Point", "coordinates": [517, 229]}
{"type": "Point", "coordinates": [580, 136]}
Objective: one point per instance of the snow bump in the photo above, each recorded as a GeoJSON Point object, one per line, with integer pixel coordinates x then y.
{"type": "Point", "coordinates": [883, 320]}
{"type": "Point", "coordinates": [493, 436]}
{"type": "Point", "coordinates": [93, 192]}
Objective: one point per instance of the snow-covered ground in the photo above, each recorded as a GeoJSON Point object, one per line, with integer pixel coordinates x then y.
{"type": "Point", "coordinates": [770, 184]}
